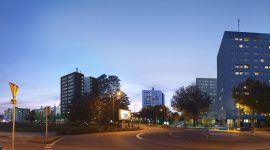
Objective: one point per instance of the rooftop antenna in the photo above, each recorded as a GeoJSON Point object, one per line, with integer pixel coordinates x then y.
{"type": "Point", "coordinates": [76, 69]}
{"type": "Point", "coordinates": [238, 23]}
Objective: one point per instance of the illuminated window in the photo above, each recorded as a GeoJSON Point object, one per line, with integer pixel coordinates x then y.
{"type": "Point", "coordinates": [240, 73]}
{"type": "Point", "coordinates": [268, 47]}
{"type": "Point", "coordinates": [236, 73]}
{"type": "Point", "coordinates": [246, 39]}
{"type": "Point", "coordinates": [236, 39]}
{"type": "Point", "coordinates": [236, 66]}
{"type": "Point", "coordinates": [266, 67]}
{"type": "Point", "coordinates": [262, 60]}
{"type": "Point", "coordinates": [246, 66]}
{"type": "Point", "coordinates": [240, 66]}
{"type": "Point", "coordinates": [256, 73]}
{"type": "Point", "coordinates": [246, 120]}
{"type": "Point", "coordinates": [241, 46]}
{"type": "Point", "coordinates": [240, 39]}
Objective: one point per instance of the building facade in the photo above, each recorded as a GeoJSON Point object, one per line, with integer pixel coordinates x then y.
{"type": "Point", "coordinates": [20, 114]}
{"type": "Point", "coordinates": [209, 86]}
{"type": "Point", "coordinates": [90, 86]}
{"type": "Point", "coordinates": [72, 90]}
{"type": "Point", "coordinates": [152, 97]}
{"type": "Point", "coordinates": [241, 55]}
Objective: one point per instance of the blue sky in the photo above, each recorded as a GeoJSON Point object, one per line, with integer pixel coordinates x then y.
{"type": "Point", "coordinates": [147, 43]}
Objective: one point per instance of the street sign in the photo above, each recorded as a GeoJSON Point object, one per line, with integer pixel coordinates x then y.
{"type": "Point", "coordinates": [124, 114]}
{"type": "Point", "coordinates": [14, 89]}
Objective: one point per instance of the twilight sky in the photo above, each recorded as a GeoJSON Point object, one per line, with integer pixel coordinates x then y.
{"type": "Point", "coordinates": [147, 43]}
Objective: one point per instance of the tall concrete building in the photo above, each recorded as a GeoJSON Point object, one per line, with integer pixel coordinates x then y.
{"type": "Point", "coordinates": [152, 97]}
{"type": "Point", "coordinates": [209, 86]}
{"type": "Point", "coordinates": [90, 86]}
{"type": "Point", "coordinates": [241, 55]}
{"type": "Point", "coordinates": [72, 90]}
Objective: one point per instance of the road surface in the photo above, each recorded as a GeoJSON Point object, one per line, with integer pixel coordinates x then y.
{"type": "Point", "coordinates": [148, 139]}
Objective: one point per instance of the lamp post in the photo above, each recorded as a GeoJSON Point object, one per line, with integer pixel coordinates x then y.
{"type": "Point", "coordinates": [238, 120]}
{"type": "Point", "coordinates": [118, 93]}
{"type": "Point", "coordinates": [134, 115]}
{"type": "Point", "coordinates": [14, 89]}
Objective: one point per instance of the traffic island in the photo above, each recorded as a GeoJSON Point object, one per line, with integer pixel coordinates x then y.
{"type": "Point", "coordinates": [43, 141]}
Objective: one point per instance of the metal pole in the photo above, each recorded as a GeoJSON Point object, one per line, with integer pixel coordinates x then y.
{"type": "Point", "coordinates": [134, 116]}
{"type": "Point", "coordinates": [13, 122]}
{"type": "Point", "coordinates": [46, 113]}
{"type": "Point", "coordinates": [113, 110]}
{"type": "Point", "coordinates": [238, 122]}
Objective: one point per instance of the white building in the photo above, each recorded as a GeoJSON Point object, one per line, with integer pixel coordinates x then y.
{"type": "Point", "coordinates": [152, 97]}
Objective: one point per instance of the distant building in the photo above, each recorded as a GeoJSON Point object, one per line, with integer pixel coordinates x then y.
{"type": "Point", "coordinates": [1, 118]}
{"type": "Point", "coordinates": [56, 110]}
{"type": "Point", "coordinates": [241, 55]}
{"type": "Point", "coordinates": [152, 97]}
{"type": "Point", "coordinates": [90, 86]}
{"type": "Point", "coordinates": [20, 114]}
{"type": "Point", "coordinates": [209, 86]}
{"type": "Point", "coordinates": [72, 89]}
{"type": "Point", "coordinates": [8, 115]}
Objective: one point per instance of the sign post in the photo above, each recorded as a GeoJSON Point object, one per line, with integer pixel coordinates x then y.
{"type": "Point", "coordinates": [14, 89]}
{"type": "Point", "coordinates": [47, 112]}
{"type": "Point", "coordinates": [124, 115]}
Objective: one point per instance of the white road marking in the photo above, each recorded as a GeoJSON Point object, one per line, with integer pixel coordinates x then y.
{"type": "Point", "coordinates": [49, 146]}
{"type": "Point", "coordinates": [138, 136]}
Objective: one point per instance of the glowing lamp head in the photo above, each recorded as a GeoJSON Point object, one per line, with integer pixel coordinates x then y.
{"type": "Point", "coordinates": [118, 93]}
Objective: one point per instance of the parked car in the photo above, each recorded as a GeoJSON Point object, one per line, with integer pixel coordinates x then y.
{"type": "Point", "coordinates": [246, 129]}
{"type": "Point", "coordinates": [180, 125]}
{"type": "Point", "coordinates": [219, 127]}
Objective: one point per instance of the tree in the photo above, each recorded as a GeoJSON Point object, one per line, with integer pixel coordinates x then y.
{"type": "Point", "coordinates": [108, 85]}
{"type": "Point", "coordinates": [80, 111]}
{"type": "Point", "coordinates": [156, 114]}
{"type": "Point", "coordinates": [254, 95]}
{"type": "Point", "coordinates": [31, 116]}
{"type": "Point", "coordinates": [191, 101]}
{"type": "Point", "coordinates": [99, 107]}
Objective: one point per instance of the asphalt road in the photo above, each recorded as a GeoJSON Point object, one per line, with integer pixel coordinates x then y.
{"type": "Point", "coordinates": [148, 139]}
{"type": "Point", "coordinates": [166, 139]}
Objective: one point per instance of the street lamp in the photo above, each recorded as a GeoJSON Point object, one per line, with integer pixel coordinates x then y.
{"type": "Point", "coordinates": [118, 93]}
{"type": "Point", "coordinates": [14, 89]}
{"type": "Point", "coordinates": [238, 120]}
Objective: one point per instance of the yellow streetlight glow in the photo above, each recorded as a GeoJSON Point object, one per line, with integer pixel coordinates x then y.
{"type": "Point", "coordinates": [118, 93]}
{"type": "Point", "coordinates": [237, 105]}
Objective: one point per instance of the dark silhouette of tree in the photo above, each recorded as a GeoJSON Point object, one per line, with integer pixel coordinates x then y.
{"type": "Point", "coordinates": [99, 108]}
{"type": "Point", "coordinates": [108, 85]}
{"type": "Point", "coordinates": [253, 94]}
{"type": "Point", "coordinates": [154, 114]}
{"type": "Point", "coordinates": [80, 111]}
{"type": "Point", "coordinates": [31, 116]}
{"type": "Point", "coordinates": [191, 102]}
